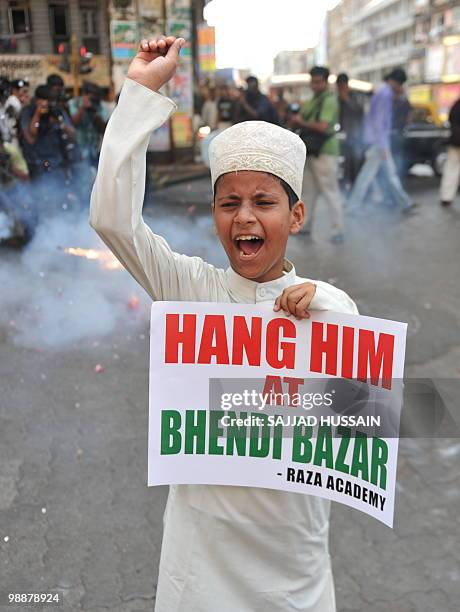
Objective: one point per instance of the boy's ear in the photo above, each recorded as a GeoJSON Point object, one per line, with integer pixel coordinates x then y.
{"type": "Point", "coordinates": [297, 217]}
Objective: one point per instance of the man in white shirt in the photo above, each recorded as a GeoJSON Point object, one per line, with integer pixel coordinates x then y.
{"type": "Point", "coordinates": [232, 549]}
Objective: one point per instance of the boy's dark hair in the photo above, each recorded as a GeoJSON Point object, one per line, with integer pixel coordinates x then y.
{"type": "Point", "coordinates": [342, 78]}
{"type": "Point", "coordinates": [292, 198]}
{"type": "Point", "coordinates": [397, 74]}
{"type": "Point", "coordinates": [320, 71]}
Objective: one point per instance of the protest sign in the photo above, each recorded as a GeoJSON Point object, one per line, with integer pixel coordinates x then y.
{"type": "Point", "coordinates": [243, 396]}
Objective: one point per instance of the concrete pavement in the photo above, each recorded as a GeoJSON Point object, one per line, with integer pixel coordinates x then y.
{"type": "Point", "coordinates": [75, 513]}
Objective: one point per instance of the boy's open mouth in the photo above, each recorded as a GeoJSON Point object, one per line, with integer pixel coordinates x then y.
{"type": "Point", "coordinates": [248, 245]}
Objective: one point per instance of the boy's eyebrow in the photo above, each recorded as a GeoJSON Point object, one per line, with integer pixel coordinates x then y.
{"type": "Point", "coordinates": [265, 194]}
{"type": "Point", "coordinates": [229, 196]}
{"type": "Point", "coordinates": [257, 194]}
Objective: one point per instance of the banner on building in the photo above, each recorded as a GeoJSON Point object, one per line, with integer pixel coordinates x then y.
{"type": "Point", "coordinates": [124, 36]}
{"type": "Point", "coordinates": [179, 19]}
{"type": "Point", "coordinates": [181, 87]}
{"type": "Point", "coordinates": [206, 48]}
{"type": "Point", "coordinates": [242, 396]}
{"type": "Point", "coordinates": [182, 130]}
{"type": "Point", "coordinates": [445, 96]}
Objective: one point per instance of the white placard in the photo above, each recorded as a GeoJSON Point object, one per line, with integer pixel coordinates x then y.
{"type": "Point", "coordinates": [195, 347]}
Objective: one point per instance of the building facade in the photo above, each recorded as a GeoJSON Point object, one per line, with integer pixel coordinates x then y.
{"type": "Point", "coordinates": [339, 53]}
{"type": "Point", "coordinates": [367, 39]}
{"type": "Point", "coordinates": [293, 62]}
{"type": "Point", "coordinates": [32, 33]}
{"type": "Point", "coordinates": [434, 67]}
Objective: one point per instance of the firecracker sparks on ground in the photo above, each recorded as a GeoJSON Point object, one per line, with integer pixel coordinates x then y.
{"type": "Point", "coordinates": [105, 258]}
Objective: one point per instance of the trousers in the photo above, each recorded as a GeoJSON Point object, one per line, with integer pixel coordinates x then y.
{"type": "Point", "coordinates": [451, 174]}
{"type": "Point", "coordinates": [321, 178]}
{"type": "Point", "coordinates": [374, 165]}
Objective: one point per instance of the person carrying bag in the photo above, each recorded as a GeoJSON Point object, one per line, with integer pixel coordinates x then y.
{"type": "Point", "coordinates": [314, 139]}
{"type": "Point", "coordinates": [316, 122]}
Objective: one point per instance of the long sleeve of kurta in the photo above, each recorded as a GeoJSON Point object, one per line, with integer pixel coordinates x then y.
{"type": "Point", "coordinates": [118, 195]}
{"type": "Point", "coordinates": [235, 549]}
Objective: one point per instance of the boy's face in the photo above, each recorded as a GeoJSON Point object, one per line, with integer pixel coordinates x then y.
{"type": "Point", "coordinates": [254, 205]}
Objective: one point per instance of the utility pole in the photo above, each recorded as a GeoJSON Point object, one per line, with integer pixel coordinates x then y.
{"type": "Point", "coordinates": [75, 65]}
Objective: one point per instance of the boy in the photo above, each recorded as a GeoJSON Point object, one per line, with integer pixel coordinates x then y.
{"type": "Point", "coordinates": [232, 549]}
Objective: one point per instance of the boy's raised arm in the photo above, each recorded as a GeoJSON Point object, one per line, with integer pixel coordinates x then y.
{"type": "Point", "coordinates": [118, 192]}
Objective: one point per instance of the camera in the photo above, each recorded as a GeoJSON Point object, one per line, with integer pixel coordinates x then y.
{"type": "Point", "coordinates": [95, 104]}
{"type": "Point", "coordinates": [54, 111]}
{"type": "Point", "coordinates": [93, 92]}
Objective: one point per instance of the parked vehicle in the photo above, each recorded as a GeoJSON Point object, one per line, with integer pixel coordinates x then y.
{"type": "Point", "coordinates": [425, 138]}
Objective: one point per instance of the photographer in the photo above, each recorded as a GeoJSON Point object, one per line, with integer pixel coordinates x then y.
{"type": "Point", "coordinates": [18, 214]}
{"type": "Point", "coordinates": [47, 135]}
{"type": "Point", "coordinates": [56, 87]}
{"type": "Point", "coordinates": [89, 116]}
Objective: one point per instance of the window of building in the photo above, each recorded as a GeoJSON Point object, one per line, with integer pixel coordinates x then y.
{"type": "Point", "coordinates": [19, 17]}
{"type": "Point", "coordinates": [59, 24]}
{"type": "Point", "coordinates": [89, 16]}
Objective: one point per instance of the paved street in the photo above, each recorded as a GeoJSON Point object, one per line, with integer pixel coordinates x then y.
{"type": "Point", "coordinates": [75, 513]}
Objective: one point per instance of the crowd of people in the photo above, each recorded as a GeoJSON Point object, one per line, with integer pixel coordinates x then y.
{"type": "Point", "coordinates": [339, 123]}
{"type": "Point", "coordinates": [49, 148]}
{"type": "Point", "coordinates": [50, 143]}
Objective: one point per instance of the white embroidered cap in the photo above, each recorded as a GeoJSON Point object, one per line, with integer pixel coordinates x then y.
{"type": "Point", "coordinates": [260, 146]}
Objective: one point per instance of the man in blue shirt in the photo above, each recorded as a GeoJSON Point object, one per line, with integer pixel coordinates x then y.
{"type": "Point", "coordinates": [377, 138]}
{"type": "Point", "coordinates": [47, 135]}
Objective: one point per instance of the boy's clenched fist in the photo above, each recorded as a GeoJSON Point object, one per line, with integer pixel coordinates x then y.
{"type": "Point", "coordinates": [156, 61]}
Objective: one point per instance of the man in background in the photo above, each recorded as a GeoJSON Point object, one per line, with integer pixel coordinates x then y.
{"type": "Point", "coordinates": [225, 107]}
{"type": "Point", "coordinates": [451, 173]}
{"type": "Point", "coordinates": [254, 105]}
{"type": "Point", "coordinates": [89, 117]}
{"type": "Point", "coordinates": [5, 119]}
{"type": "Point", "coordinates": [209, 110]}
{"type": "Point", "coordinates": [379, 160]}
{"type": "Point", "coordinates": [318, 120]}
{"type": "Point", "coordinates": [19, 96]}
{"type": "Point", "coordinates": [402, 113]}
{"type": "Point", "coordinates": [47, 135]}
{"type": "Point", "coordinates": [351, 124]}
{"type": "Point", "coordinates": [56, 88]}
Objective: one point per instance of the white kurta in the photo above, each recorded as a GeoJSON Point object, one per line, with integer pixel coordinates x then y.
{"type": "Point", "coordinates": [232, 549]}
